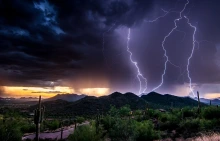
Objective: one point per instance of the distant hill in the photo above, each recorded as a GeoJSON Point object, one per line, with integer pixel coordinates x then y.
{"type": "Point", "coordinates": [52, 107]}
{"type": "Point", "coordinates": [164, 101]}
{"type": "Point", "coordinates": [207, 101]}
{"type": "Point", "coordinates": [66, 97]}
{"type": "Point", "coordinates": [89, 105]}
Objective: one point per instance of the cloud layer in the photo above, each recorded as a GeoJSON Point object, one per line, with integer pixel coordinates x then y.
{"type": "Point", "coordinates": [62, 42]}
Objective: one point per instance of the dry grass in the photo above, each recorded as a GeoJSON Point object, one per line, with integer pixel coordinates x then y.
{"type": "Point", "coordinates": [211, 137]}
{"type": "Point", "coordinates": [203, 137]}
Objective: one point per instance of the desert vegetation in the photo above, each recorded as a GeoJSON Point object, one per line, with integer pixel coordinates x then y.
{"type": "Point", "coordinates": [119, 123]}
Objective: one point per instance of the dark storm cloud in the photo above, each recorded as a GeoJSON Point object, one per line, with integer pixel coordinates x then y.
{"type": "Point", "coordinates": [62, 42]}
{"type": "Point", "coordinates": [45, 41]}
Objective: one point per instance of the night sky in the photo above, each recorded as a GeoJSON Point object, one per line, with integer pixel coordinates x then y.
{"type": "Point", "coordinates": [80, 46]}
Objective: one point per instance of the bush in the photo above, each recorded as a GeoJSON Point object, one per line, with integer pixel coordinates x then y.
{"type": "Point", "coordinates": [85, 133]}
{"type": "Point", "coordinates": [188, 112]}
{"type": "Point", "coordinates": [52, 125]}
{"type": "Point", "coordinates": [27, 128]}
{"type": "Point", "coordinates": [80, 119]}
{"type": "Point", "coordinates": [153, 113]}
{"type": "Point", "coordinates": [145, 131]}
{"type": "Point", "coordinates": [211, 113]}
{"type": "Point", "coordinates": [108, 122]}
{"type": "Point", "coordinates": [124, 111]}
{"type": "Point", "coordinates": [206, 124]}
{"type": "Point", "coordinates": [192, 125]}
{"type": "Point", "coordinates": [113, 111]}
{"type": "Point", "coordinates": [123, 129]}
{"type": "Point", "coordinates": [169, 122]}
{"type": "Point", "coordinates": [10, 131]}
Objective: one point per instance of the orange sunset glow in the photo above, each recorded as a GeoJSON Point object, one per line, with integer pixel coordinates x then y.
{"type": "Point", "coordinates": [46, 92]}
{"type": "Point", "coordinates": [212, 95]}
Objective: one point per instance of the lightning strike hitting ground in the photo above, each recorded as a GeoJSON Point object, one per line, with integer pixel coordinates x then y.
{"type": "Point", "coordinates": [165, 51]}
{"type": "Point", "coordinates": [140, 77]}
{"type": "Point", "coordinates": [191, 55]}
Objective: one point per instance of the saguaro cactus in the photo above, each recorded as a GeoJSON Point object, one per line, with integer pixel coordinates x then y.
{"type": "Point", "coordinates": [61, 130]}
{"type": "Point", "coordinates": [210, 103]}
{"type": "Point", "coordinates": [75, 123]}
{"type": "Point", "coordinates": [38, 118]}
{"type": "Point", "coordinates": [97, 121]}
{"type": "Point", "coordinates": [198, 102]}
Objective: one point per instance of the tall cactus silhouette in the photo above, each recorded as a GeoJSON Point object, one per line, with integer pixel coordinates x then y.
{"type": "Point", "coordinates": [97, 121]}
{"type": "Point", "coordinates": [61, 130]}
{"type": "Point", "coordinates": [38, 118]}
{"type": "Point", "coordinates": [199, 108]}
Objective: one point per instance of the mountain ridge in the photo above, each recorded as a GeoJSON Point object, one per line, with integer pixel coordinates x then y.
{"type": "Point", "coordinates": [66, 97]}
{"type": "Point", "coordinates": [90, 105]}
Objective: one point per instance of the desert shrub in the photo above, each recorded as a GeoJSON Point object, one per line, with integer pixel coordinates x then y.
{"type": "Point", "coordinates": [80, 119]}
{"type": "Point", "coordinates": [145, 131]}
{"type": "Point", "coordinates": [85, 133]}
{"type": "Point", "coordinates": [137, 112]}
{"type": "Point", "coordinates": [206, 124]}
{"type": "Point", "coordinates": [163, 117]}
{"type": "Point", "coordinates": [188, 112]}
{"type": "Point", "coordinates": [124, 111]}
{"type": "Point", "coordinates": [113, 111]}
{"type": "Point", "coordinates": [123, 129]}
{"type": "Point", "coordinates": [190, 125]}
{"type": "Point", "coordinates": [27, 128]}
{"type": "Point", "coordinates": [10, 131]}
{"type": "Point", "coordinates": [108, 122]}
{"type": "Point", "coordinates": [211, 113]}
{"type": "Point", "coordinates": [168, 122]}
{"type": "Point", "coordinates": [52, 125]}
{"type": "Point", "coordinates": [153, 113]}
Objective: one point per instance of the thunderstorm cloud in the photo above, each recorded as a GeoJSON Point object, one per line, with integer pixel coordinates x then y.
{"type": "Point", "coordinates": [82, 44]}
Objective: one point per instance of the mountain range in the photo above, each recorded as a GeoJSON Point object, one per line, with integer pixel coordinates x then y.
{"type": "Point", "coordinates": [66, 97]}
{"type": "Point", "coordinates": [90, 105]}
{"type": "Point", "coordinates": [207, 101]}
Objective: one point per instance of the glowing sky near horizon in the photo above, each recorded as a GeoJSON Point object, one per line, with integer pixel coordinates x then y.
{"type": "Point", "coordinates": [45, 92]}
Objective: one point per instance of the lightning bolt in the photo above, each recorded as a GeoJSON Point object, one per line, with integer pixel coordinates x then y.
{"type": "Point", "coordinates": [191, 54]}
{"type": "Point", "coordinates": [140, 77]}
{"type": "Point", "coordinates": [164, 49]}
{"type": "Point", "coordinates": [154, 20]}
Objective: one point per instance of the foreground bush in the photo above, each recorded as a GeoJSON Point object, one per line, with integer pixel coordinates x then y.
{"type": "Point", "coordinates": [145, 131]}
{"type": "Point", "coordinates": [190, 125]}
{"type": "Point", "coordinates": [211, 113]}
{"type": "Point", "coordinates": [122, 129]}
{"type": "Point", "coordinates": [85, 133]}
{"type": "Point", "coordinates": [10, 131]}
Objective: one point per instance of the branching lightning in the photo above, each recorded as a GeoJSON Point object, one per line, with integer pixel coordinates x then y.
{"type": "Point", "coordinates": [191, 54]}
{"type": "Point", "coordinates": [154, 20]}
{"type": "Point", "coordinates": [140, 77]}
{"type": "Point", "coordinates": [142, 80]}
{"type": "Point", "coordinates": [165, 51]}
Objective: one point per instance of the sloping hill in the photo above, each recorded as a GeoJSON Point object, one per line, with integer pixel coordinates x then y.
{"type": "Point", "coordinates": [165, 101]}
{"type": "Point", "coordinates": [90, 105]}
{"type": "Point", "coordinates": [66, 97]}
{"type": "Point", "coordinates": [52, 107]}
